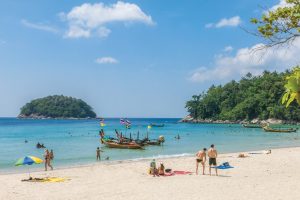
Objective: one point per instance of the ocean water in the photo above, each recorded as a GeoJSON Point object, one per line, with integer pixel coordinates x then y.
{"type": "Point", "coordinates": [75, 141]}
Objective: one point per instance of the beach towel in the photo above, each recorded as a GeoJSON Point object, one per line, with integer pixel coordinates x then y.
{"type": "Point", "coordinates": [225, 165]}
{"type": "Point", "coordinates": [177, 173]}
{"type": "Point", "coordinates": [182, 172]}
{"type": "Point", "coordinates": [48, 179]}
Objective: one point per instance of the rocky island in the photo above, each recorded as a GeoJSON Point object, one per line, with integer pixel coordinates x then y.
{"type": "Point", "coordinates": [57, 107]}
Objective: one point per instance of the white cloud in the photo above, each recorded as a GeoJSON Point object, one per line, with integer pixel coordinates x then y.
{"type": "Point", "coordinates": [89, 19]}
{"type": "Point", "coordinates": [249, 60]}
{"type": "Point", "coordinates": [225, 22]}
{"type": "Point", "coordinates": [228, 49]}
{"type": "Point", "coordinates": [281, 4]}
{"type": "Point", "coordinates": [103, 32]}
{"type": "Point", "coordinates": [107, 60]}
{"type": "Point", "coordinates": [39, 26]}
{"type": "Point", "coordinates": [76, 32]}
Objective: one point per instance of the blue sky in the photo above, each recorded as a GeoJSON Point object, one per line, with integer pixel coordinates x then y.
{"type": "Point", "coordinates": [137, 58]}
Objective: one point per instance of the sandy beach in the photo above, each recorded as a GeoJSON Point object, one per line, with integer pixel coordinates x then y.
{"type": "Point", "coordinates": [259, 176]}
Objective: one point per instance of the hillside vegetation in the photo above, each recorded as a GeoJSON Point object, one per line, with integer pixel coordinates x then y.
{"type": "Point", "coordinates": [57, 106]}
{"type": "Point", "coordinates": [250, 98]}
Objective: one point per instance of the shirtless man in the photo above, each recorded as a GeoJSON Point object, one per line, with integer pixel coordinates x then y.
{"type": "Point", "coordinates": [201, 158]}
{"type": "Point", "coordinates": [212, 154]}
{"type": "Point", "coordinates": [98, 151]}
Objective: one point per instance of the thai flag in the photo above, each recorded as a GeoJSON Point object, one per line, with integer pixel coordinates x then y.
{"type": "Point", "coordinates": [122, 121]}
{"type": "Point", "coordinates": [127, 122]}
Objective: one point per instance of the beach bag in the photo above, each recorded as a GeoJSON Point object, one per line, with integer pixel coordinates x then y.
{"type": "Point", "coordinates": [168, 170]}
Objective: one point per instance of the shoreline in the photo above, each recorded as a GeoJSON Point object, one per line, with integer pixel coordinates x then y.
{"type": "Point", "coordinates": [134, 160]}
{"type": "Point", "coordinates": [258, 176]}
{"type": "Point", "coordinates": [190, 120]}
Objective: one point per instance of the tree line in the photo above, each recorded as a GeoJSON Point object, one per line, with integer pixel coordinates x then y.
{"type": "Point", "coordinates": [250, 98]}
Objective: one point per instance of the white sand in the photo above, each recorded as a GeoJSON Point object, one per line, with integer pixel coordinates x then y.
{"type": "Point", "coordinates": [260, 177]}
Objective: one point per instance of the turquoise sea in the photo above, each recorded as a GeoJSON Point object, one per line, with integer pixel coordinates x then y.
{"type": "Point", "coordinates": [75, 141]}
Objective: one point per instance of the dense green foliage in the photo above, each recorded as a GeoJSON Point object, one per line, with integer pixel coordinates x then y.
{"type": "Point", "coordinates": [58, 107]}
{"type": "Point", "coordinates": [281, 25]}
{"type": "Point", "coordinates": [252, 97]}
{"type": "Point", "coordinates": [292, 88]}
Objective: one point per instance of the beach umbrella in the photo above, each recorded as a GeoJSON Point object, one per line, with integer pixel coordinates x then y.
{"type": "Point", "coordinates": [28, 160]}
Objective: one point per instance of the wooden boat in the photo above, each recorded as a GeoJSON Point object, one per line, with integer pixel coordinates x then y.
{"type": "Point", "coordinates": [119, 145]}
{"type": "Point", "coordinates": [287, 130]}
{"type": "Point", "coordinates": [152, 142]}
{"type": "Point", "coordinates": [157, 125]}
{"type": "Point", "coordinates": [251, 125]}
{"type": "Point", "coordinates": [116, 143]}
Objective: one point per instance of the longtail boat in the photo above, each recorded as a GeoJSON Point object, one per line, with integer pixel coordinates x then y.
{"type": "Point", "coordinates": [251, 125]}
{"type": "Point", "coordinates": [287, 130]}
{"type": "Point", "coordinates": [119, 145]}
{"type": "Point", "coordinates": [152, 142]}
{"type": "Point", "coordinates": [157, 125]}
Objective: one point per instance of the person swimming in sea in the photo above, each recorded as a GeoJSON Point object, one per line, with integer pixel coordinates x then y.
{"type": "Point", "coordinates": [177, 137]}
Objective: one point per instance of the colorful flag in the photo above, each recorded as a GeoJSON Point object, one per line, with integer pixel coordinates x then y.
{"type": "Point", "coordinates": [122, 121]}
{"type": "Point", "coordinates": [127, 122]}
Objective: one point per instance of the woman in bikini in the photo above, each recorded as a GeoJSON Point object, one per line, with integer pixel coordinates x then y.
{"type": "Point", "coordinates": [201, 158]}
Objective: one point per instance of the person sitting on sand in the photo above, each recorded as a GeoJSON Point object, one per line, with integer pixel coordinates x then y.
{"type": "Point", "coordinates": [201, 158]}
{"type": "Point", "coordinates": [153, 169]}
{"type": "Point", "coordinates": [161, 169]}
{"type": "Point", "coordinates": [98, 151]}
{"type": "Point", "coordinates": [212, 154]}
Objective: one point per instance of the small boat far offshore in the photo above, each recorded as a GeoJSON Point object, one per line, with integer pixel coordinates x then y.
{"type": "Point", "coordinates": [287, 130]}
{"type": "Point", "coordinates": [157, 125]}
{"type": "Point", "coordinates": [252, 126]}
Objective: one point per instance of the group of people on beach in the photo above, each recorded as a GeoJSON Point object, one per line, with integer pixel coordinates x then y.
{"type": "Point", "coordinates": [201, 158]}
{"type": "Point", "coordinates": [160, 171]}
{"type": "Point", "coordinates": [212, 159]}
{"type": "Point", "coordinates": [48, 157]}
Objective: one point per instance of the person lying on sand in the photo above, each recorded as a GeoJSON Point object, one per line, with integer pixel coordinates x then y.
{"type": "Point", "coordinates": [201, 158]}
{"type": "Point", "coordinates": [212, 154]}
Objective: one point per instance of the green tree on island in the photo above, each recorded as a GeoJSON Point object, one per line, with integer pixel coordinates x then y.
{"type": "Point", "coordinates": [57, 106]}
{"type": "Point", "coordinates": [251, 97]}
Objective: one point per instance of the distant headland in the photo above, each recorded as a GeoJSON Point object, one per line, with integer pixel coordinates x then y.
{"type": "Point", "coordinates": [57, 107]}
{"type": "Point", "coordinates": [253, 99]}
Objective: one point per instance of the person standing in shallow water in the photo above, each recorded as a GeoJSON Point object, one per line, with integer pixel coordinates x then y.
{"type": "Point", "coordinates": [98, 152]}
{"type": "Point", "coordinates": [212, 154]}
